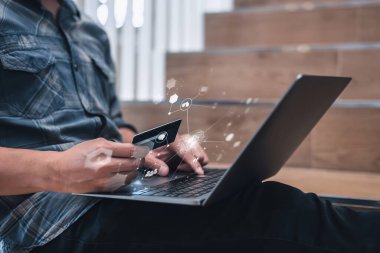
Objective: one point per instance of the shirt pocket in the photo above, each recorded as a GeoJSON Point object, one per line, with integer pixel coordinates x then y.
{"type": "Point", "coordinates": [99, 83]}
{"type": "Point", "coordinates": [29, 85]}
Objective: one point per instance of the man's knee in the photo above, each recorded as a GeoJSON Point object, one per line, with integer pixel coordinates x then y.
{"type": "Point", "coordinates": [273, 195]}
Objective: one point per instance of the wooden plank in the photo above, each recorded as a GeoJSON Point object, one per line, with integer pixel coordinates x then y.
{"type": "Point", "coordinates": [347, 138]}
{"type": "Point", "coordinates": [273, 28]}
{"type": "Point", "coordinates": [217, 123]}
{"type": "Point", "coordinates": [240, 75]}
{"type": "Point", "coordinates": [254, 3]}
{"type": "Point", "coordinates": [302, 156]}
{"type": "Point", "coordinates": [332, 182]}
{"type": "Point", "coordinates": [232, 74]}
{"type": "Point", "coordinates": [363, 67]}
{"type": "Point", "coordinates": [324, 182]}
{"type": "Point", "coordinates": [369, 22]}
{"type": "Point", "coordinates": [344, 139]}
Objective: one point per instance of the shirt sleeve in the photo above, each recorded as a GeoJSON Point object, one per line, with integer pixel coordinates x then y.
{"type": "Point", "coordinates": [116, 114]}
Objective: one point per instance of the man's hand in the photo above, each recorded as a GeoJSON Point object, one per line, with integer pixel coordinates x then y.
{"type": "Point", "coordinates": [188, 150]}
{"type": "Point", "coordinates": [91, 166]}
{"type": "Point", "coordinates": [100, 165]}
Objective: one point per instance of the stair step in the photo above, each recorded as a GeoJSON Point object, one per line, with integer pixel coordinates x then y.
{"type": "Point", "coordinates": [255, 3]}
{"type": "Point", "coordinates": [346, 138]}
{"type": "Point", "coordinates": [267, 73]}
{"type": "Point", "coordinates": [360, 190]}
{"type": "Point", "coordinates": [330, 182]}
{"type": "Point", "coordinates": [319, 25]}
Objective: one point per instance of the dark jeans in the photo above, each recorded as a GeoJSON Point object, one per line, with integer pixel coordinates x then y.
{"type": "Point", "coordinates": [270, 217]}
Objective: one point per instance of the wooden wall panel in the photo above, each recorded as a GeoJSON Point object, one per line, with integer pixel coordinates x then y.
{"type": "Point", "coordinates": [254, 3]}
{"type": "Point", "coordinates": [368, 21]}
{"type": "Point", "coordinates": [344, 139]}
{"type": "Point", "coordinates": [332, 182]}
{"type": "Point", "coordinates": [241, 75]}
{"type": "Point", "coordinates": [347, 138]}
{"type": "Point", "coordinates": [320, 25]}
{"type": "Point", "coordinates": [363, 66]}
{"type": "Point", "coordinates": [243, 126]}
{"type": "Point", "coordinates": [267, 74]}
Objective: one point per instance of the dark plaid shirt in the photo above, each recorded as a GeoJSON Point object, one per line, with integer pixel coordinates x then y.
{"type": "Point", "coordinates": [56, 90]}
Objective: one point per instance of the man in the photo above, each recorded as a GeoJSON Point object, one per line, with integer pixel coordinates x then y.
{"type": "Point", "coordinates": [58, 107]}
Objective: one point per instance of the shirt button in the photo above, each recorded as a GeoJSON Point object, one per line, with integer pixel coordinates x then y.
{"type": "Point", "coordinates": [75, 66]}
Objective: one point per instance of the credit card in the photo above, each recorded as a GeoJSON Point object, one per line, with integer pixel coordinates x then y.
{"type": "Point", "coordinates": [158, 136]}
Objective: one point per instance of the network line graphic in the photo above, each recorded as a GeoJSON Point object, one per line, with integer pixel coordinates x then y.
{"type": "Point", "coordinates": [186, 103]}
{"type": "Point", "coordinates": [200, 137]}
{"type": "Point", "coordinates": [194, 138]}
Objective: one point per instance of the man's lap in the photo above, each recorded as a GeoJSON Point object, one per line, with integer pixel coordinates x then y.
{"type": "Point", "coordinates": [267, 217]}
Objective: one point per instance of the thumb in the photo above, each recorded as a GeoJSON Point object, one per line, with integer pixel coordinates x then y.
{"type": "Point", "coordinates": [153, 163]}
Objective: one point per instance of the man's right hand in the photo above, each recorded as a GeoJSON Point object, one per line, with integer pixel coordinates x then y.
{"type": "Point", "coordinates": [99, 165]}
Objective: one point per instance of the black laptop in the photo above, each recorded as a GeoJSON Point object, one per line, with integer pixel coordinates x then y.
{"type": "Point", "coordinates": [281, 133]}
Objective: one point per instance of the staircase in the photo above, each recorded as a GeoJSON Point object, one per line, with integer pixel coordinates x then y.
{"type": "Point", "coordinates": [253, 54]}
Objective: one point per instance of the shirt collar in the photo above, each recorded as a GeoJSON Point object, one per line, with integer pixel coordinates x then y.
{"type": "Point", "coordinates": [68, 10]}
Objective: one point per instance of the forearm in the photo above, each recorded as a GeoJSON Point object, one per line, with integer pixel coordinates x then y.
{"type": "Point", "coordinates": [25, 171]}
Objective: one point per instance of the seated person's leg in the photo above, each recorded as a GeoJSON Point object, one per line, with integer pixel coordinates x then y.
{"type": "Point", "coordinates": [269, 217]}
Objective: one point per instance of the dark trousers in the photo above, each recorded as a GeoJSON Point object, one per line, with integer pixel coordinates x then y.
{"type": "Point", "coordinates": [270, 217]}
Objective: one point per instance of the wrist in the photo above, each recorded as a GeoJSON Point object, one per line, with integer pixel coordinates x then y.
{"type": "Point", "coordinates": [47, 171]}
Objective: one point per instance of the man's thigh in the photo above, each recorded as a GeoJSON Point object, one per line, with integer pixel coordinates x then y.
{"type": "Point", "coordinates": [266, 217]}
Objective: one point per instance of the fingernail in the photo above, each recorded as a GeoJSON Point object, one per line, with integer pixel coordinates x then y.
{"type": "Point", "coordinates": [199, 170]}
{"type": "Point", "coordinates": [163, 168]}
{"type": "Point", "coordinates": [141, 151]}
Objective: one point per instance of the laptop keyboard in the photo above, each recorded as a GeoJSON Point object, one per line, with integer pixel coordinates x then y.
{"type": "Point", "coordinates": [185, 187]}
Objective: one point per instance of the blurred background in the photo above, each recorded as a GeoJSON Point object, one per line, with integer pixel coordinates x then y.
{"type": "Point", "coordinates": [233, 59]}
{"type": "Point", "coordinates": [142, 32]}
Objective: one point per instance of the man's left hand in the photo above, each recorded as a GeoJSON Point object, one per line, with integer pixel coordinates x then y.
{"type": "Point", "coordinates": [187, 149]}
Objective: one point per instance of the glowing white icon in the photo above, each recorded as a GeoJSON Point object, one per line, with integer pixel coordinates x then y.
{"type": "Point", "coordinates": [161, 137]}
{"type": "Point", "coordinates": [173, 98]}
{"type": "Point", "coordinates": [236, 144]}
{"type": "Point", "coordinates": [229, 137]}
{"type": "Point", "coordinates": [171, 84]}
{"type": "Point", "coordinates": [203, 90]}
{"type": "Point", "coordinates": [185, 104]}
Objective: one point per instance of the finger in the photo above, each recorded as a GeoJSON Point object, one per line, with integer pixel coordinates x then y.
{"type": "Point", "coordinates": [115, 182]}
{"type": "Point", "coordinates": [192, 161]}
{"type": "Point", "coordinates": [128, 150]}
{"type": "Point", "coordinates": [153, 163]}
{"type": "Point", "coordinates": [118, 165]}
{"type": "Point", "coordinates": [184, 167]}
{"type": "Point", "coordinates": [110, 183]}
{"type": "Point", "coordinates": [201, 155]}
{"type": "Point", "coordinates": [131, 176]}
{"type": "Point", "coordinates": [126, 164]}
